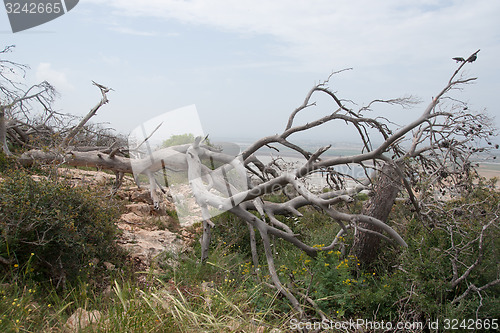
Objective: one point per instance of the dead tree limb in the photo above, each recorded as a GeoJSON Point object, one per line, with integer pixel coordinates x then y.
{"type": "Point", "coordinates": [71, 135]}
{"type": "Point", "coordinates": [433, 149]}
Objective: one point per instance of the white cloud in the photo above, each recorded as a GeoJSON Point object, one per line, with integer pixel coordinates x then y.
{"type": "Point", "coordinates": [397, 47]}
{"type": "Point", "coordinates": [343, 32]}
{"type": "Point", "coordinates": [111, 60]}
{"type": "Point", "coordinates": [134, 32]}
{"type": "Point", "coordinates": [58, 79]}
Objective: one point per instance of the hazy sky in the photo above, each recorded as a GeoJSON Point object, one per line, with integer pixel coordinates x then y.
{"type": "Point", "coordinates": [247, 64]}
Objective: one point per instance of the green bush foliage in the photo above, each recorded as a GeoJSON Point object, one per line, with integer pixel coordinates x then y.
{"type": "Point", "coordinates": [178, 139]}
{"type": "Point", "coordinates": [454, 235]}
{"type": "Point", "coordinates": [405, 285]}
{"type": "Point", "coordinates": [413, 284]}
{"type": "Point", "coordinates": [6, 162]}
{"type": "Point", "coordinates": [52, 231]}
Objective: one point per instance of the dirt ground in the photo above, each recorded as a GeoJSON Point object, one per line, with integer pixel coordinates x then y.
{"type": "Point", "coordinates": [489, 170]}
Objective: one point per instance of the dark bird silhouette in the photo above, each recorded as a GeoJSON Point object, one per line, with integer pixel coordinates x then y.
{"type": "Point", "coordinates": [473, 57]}
{"type": "Point", "coordinates": [459, 59]}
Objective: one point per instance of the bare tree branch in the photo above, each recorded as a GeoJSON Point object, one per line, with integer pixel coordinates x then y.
{"type": "Point", "coordinates": [89, 115]}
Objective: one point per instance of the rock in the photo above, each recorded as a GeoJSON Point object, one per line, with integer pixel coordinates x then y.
{"type": "Point", "coordinates": [38, 178]}
{"type": "Point", "coordinates": [141, 209]}
{"type": "Point", "coordinates": [141, 196]}
{"type": "Point", "coordinates": [207, 289]}
{"type": "Point", "coordinates": [109, 266]}
{"type": "Point", "coordinates": [100, 179]}
{"type": "Point", "coordinates": [145, 245]}
{"type": "Point", "coordinates": [81, 319]}
{"type": "Point", "coordinates": [188, 237]}
{"type": "Point", "coordinates": [260, 329]}
{"type": "Point", "coordinates": [234, 325]}
{"type": "Point", "coordinates": [132, 218]}
{"type": "Point", "coordinates": [79, 177]}
{"type": "Point", "coordinates": [107, 291]}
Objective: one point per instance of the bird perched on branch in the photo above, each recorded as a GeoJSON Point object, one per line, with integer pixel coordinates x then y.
{"type": "Point", "coordinates": [473, 57]}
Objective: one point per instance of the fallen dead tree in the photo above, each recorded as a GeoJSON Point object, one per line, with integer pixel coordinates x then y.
{"type": "Point", "coordinates": [434, 149]}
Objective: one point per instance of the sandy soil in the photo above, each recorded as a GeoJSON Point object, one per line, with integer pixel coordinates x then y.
{"type": "Point", "coordinates": [489, 171]}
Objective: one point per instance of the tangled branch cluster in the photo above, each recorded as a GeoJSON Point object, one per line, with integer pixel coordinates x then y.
{"type": "Point", "coordinates": [430, 154]}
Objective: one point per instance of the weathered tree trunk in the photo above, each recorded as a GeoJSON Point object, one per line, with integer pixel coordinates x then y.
{"type": "Point", "coordinates": [205, 241]}
{"type": "Point", "coordinates": [3, 133]}
{"type": "Point", "coordinates": [367, 245]}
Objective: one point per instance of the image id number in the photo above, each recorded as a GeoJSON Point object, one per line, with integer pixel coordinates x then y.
{"type": "Point", "coordinates": [33, 8]}
{"type": "Point", "coordinates": [471, 324]}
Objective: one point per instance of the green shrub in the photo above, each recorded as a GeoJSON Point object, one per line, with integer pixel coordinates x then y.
{"type": "Point", "coordinates": [421, 283]}
{"type": "Point", "coordinates": [178, 139]}
{"type": "Point", "coordinates": [405, 285]}
{"type": "Point", "coordinates": [6, 162]}
{"type": "Point", "coordinates": [412, 284]}
{"type": "Point", "coordinates": [53, 232]}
